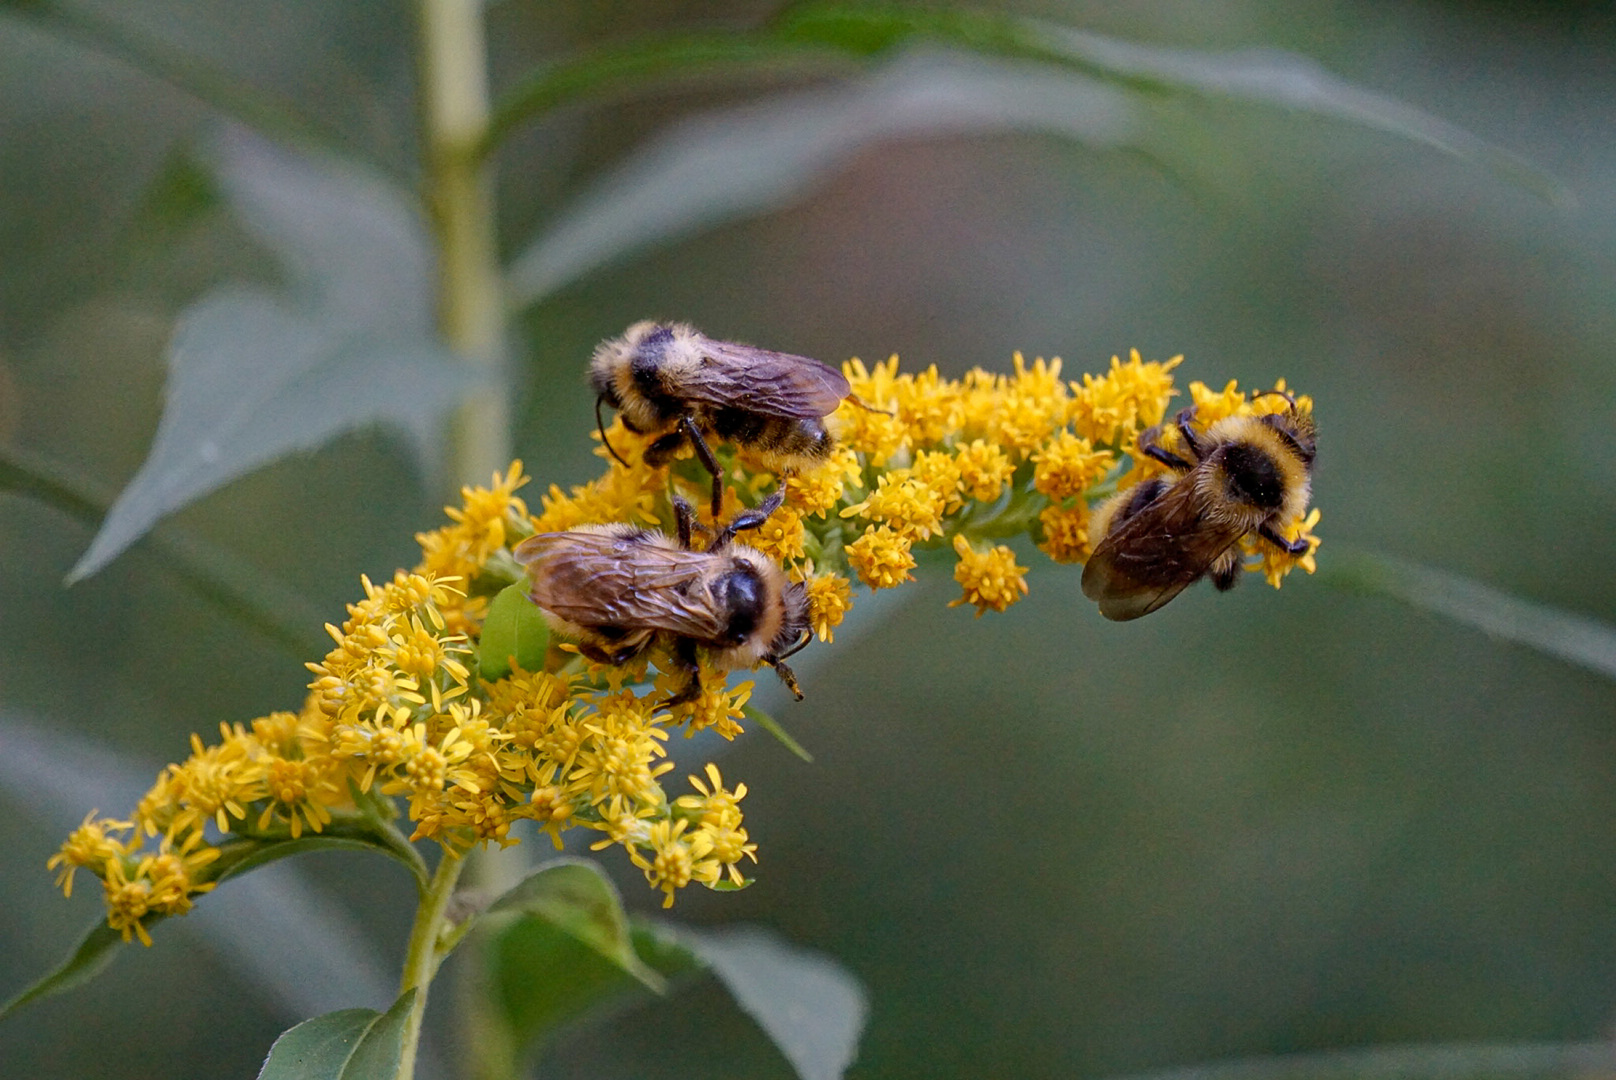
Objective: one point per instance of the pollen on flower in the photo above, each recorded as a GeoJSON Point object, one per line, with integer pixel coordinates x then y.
{"type": "Point", "coordinates": [830, 598]}
{"type": "Point", "coordinates": [1066, 532]}
{"type": "Point", "coordinates": [716, 707]}
{"type": "Point", "coordinates": [1132, 396]}
{"type": "Point", "coordinates": [876, 431]}
{"type": "Point", "coordinates": [906, 504]}
{"type": "Point", "coordinates": [881, 558]}
{"type": "Point", "coordinates": [93, 845]}
{"type": "Point", "coordinates": [984, 470]}
{"type": "Point", "coordinates": [781, 537]}
{"type": "Point", "coordinates": [991, 579]}
{"type": "Point", "coordinates": [811, 492]}
{"type": "Point", "coordinates": [1214, 405]}
{"type": "Point", "coordinates": [1068, 465]}
{"type": "Point", "coordinates": [398, 710]}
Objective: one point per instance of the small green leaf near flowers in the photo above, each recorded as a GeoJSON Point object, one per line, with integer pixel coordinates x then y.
{"type": "Point", "coordinates": [394, 714]}
{"type": "Point", "coordinates": [98, 948]}
{"type": "Point", "coordinates": [350, 1044]}
{"type": "Point", "coordinates": [515, 630]}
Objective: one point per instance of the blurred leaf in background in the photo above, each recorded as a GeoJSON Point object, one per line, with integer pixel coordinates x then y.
{"type": "Point", "coordinates": [1252, 825]}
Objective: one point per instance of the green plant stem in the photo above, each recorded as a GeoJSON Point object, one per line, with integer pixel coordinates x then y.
{"type": "Point", "coordinates": [423, 955]}
{"type": "Point", "coordinates": [460, 203]}
{"type": "Point", "coordinates": [471, 318]}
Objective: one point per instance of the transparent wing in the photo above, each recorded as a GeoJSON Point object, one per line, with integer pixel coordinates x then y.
{"type": "Point", "coordinates": [631, 579]}
{"type": "Point", "coordinates": [774, 383]}
{"type": "Point", "coordinates": [1154, 555]}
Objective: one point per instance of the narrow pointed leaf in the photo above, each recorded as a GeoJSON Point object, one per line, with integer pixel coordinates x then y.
{"type": "Point", "coordinates": [515, 629]}
{"type": "Point", "coordinates": [772, 726]}
{"type": "Point", "coordinates": [1428, 1061]}
{"type": "Point", "coordinates": [655, 61]}
{"type": "Point", "coordinates": [1264, 76]}
{"type": "Point", "coordinates": [1575, 639]}
{"type": "Point", "coordinates": [250, 381]}
{"type": "Point", "coordinates": [352, 243]}
{"type": "Point", "coordinates": [241, 590]}
{"type": "Point", "coordinates": [734, 162]}
{"type": "Point", "coordinates": [352, 1044]}
{"type": "Point", "coordinates": [254, 377]}
{"type": "Point", "coordinates": [92, 955]}
{"type": "Point", "coordinates": [811, 1008]}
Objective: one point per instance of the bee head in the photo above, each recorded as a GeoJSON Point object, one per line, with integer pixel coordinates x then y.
{"type": "Point", "coordinates": [1296, 428]}
{"type": "Point", "coordinates": [1262, 464]}
{"type": "Point", "coordinates": [793, 633]}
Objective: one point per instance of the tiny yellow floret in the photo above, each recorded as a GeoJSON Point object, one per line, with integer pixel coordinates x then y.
{"type": "Point", "coordinates": [991, 579]}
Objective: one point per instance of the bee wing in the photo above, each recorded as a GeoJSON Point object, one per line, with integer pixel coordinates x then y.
{"type": "Point", "coordinates": [1154, 555]}
{"type": "Point", "coordinates": [774, 383]}
{"type": "Point", "coordinates": [627, 580]}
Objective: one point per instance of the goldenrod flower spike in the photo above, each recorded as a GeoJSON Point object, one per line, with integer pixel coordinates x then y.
{"type": "Point", "coordinates": [398, 710]}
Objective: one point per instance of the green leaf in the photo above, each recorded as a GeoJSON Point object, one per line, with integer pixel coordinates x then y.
{"type": "Point", "coordinates": [1576, 639]}
{"type": "Point", "coordinates": [1431, 1061]}
{"type": "Point", "coordinates": [731, 163]}
{"type": "Point", "coordinates": [515, 629]}
{"type": "Point", "coordinates": [237, 588]}
{"type": "Point", "coordinates": [575, 897]}
{"type": "Point", "coordinates": [92, 956]}
{"type": "Point", "coordinates": [1264, 76]}
{"type": "Point", "coordinates": [181, 69]}
{"type": "Point", "coordinates": [239, 856]}
{"type": "Point", "coordinates": [1027, 75]}
{"type": "Point", "coordinates": [545, 978]}
{"type": "Point", "coordinates": [352, 1044]}
{"type": "Point", "coordinates": [654, 61]}
{"type": "Point", "coordinates": [812, 1009]}
{"type": "Point", "coordinates": [772, 726]}
{"type": "Point", "coordinates": [253, 377]}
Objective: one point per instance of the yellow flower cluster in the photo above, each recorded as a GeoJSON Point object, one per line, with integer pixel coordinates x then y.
{"type": "Point", "coordinates": [398, 713]}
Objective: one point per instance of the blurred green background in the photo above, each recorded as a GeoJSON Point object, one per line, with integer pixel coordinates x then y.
{"type": "Point", "coordinates": [1252, 824]}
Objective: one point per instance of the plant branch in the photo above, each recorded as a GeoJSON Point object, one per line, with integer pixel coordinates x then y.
{"type": "Point", "coordinates": [460, 204]}
{"type": "Point", "coordinates": [423, 956]}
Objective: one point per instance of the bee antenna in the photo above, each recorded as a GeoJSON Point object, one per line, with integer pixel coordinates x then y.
{"type": "Point", "coordinates": [601, 424]}
{"type": "Point", "coordinates": [1286, 394]}
{"type": "Point", "coordinates": [866, 406]}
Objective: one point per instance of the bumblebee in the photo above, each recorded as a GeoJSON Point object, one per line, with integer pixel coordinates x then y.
{"type": "Point", "coordinates": [617, 589]}
{"type": "Point", "coordinates": [1245, 475]}
{"type": "Point", "coordinates": [671, 381]}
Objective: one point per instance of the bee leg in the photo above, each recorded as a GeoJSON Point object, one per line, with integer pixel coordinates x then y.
{"type": "Point", "coordinates": [705, 453]}
{"type": "Point", "coordinates": [748, 519]}
{"type": "Point", "coordinates": [788, 677]}
{"type": "Point", "coordinates": [662, 449]}
{"type": "Point", "coordinates": [684, 657]}
{"type": "Point", "coordinates": [1153, 449]}
{"type": "Point", "coordinates": [598, 655]}
{"type": "Point", "coordinates": [1187, 433]}
{"type": "Point", "coordinates": [684, 516]}
{"type": "Point", "coordinates": [1298, 546]}
{"type": "Point", "coordinates": [1226, 574]}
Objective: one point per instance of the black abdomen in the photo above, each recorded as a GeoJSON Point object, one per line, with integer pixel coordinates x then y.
{"type": "Point", "coordinates": [793, 437]}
